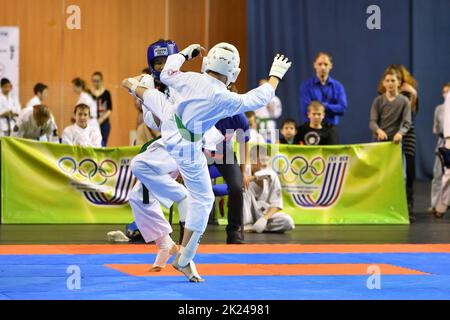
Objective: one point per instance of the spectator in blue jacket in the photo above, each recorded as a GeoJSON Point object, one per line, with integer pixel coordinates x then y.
{"type": "Point", "coordinates": [323, 88]}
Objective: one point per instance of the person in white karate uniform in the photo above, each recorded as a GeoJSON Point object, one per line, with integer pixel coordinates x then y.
{"type": "Point", "coordinates": [40, 96]}
{"type": "Point", "coordinates": [82, 133]}
{"type": "Point", "coordinates": [35, 124]}
{"type": "Point", "coordinates": [444, 199]}
{"type": "Point", "coordinates": [263, 201]}
{"type": "Point", "coordinates": [201, 101]}
{"type": "Point", "coordinates": [84, 97]}
{"type": "Point", "coordinates": [148, 214]}
{"type": "Point", "coordinates": [9, 108]}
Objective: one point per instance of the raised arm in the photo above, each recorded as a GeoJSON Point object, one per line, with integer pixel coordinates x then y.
{"type": "Point", "coordinates": [171, 75]}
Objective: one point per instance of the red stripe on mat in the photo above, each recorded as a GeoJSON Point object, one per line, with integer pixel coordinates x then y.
{"type": "Point", "coordinates": [143, 270]}
{"type": "Point", "coordinates": [211, 248]}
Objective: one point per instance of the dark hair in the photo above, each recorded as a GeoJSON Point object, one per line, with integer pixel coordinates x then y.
{"type": "Point", "coordinates": [79, 83]}
{"type": "Point", "coordinates": [146, 71]}
{"type": "Point", "coordinates": [287, 121]}
{"type": "Point", "coordinates": [323, 53]}
{"type": "Point", "coordinates": [393, 71]}
{"type": "Point", "coordinates": [98, 73]}
{"type": "Point", "coordinates": [447, 85]}
{"type": "Point", "coordinates": [250, 114]}
{"type": "Point", "coordinates": [81, 106]}
{"type": "Point", "coordinates": [4, 82]}
{"type": "Point", "coordinates": [39, 88]}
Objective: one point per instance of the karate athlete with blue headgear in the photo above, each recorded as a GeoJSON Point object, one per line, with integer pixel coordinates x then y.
{"type": "Point", "coordinates": [146, 209]}
{"type": "Point", "coordinates": [201, 101]}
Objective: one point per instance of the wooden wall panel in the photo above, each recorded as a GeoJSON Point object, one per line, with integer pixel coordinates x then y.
{"type": "Point", "coordinates": [228, 24]}
{"type": "Point", "coordinates": [187, 26]}
{"type": "Point", "coordinates": [113, 39]}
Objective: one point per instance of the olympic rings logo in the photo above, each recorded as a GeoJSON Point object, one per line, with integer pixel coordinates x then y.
{"type": "Point", "coordinates": [299, 167]}
{"type": "Point", "coordinates": [88, 170]}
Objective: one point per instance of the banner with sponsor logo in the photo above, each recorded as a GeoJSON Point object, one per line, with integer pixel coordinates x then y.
{"type": "Point", "coordinates": [351, 184]}
{"type": "Point", "coordinates": [51, 183]}
{"type": "Point", "coordinates": [9, 56]}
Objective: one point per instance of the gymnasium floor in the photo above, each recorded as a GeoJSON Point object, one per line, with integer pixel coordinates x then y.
{"type": "Point", "coordinates": [312, 262]}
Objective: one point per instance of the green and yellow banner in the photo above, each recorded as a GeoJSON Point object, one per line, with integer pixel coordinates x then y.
{"type": "Point", "coordinates": [56, 183]}
{"type": "Point", "coordinates": [347, 184]}
{"type": "Point", "coordinates": [52, 183]}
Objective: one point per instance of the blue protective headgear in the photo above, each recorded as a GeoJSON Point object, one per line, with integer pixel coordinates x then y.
{"type": "Point", "coordinates": [160, 48]}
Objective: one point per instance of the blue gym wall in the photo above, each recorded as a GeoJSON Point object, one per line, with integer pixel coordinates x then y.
{"type": "Point", "coordinates": [415, 33]}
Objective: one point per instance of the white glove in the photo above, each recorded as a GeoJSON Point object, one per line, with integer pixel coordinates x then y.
{"type": "Point", "coordinates": [260, 225]}
{"type": "Point", "coordinates": [147, 81]}
{"type": "Point", "coordinates": [191, 51]}
{"type": "Point", "coordinates": [280, 66]}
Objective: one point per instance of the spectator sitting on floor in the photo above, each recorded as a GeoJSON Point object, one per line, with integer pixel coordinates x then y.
{"type": "Point", "coordinates": [255, 136]}
{"type": "Point", "coordinates": [263, 202]}
{"type": "Point", "coordinates": [35, 124]}
{"type": "Point", "coordinates": [289, 132]}
{"type": "Point", "coordinates": [82, 133]}
{"type": "Point", "coordinates": [313, 132]}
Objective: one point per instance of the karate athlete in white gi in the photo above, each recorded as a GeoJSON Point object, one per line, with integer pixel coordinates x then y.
{"type": "Point", "coordinates": [146, 166]}
{"type": "Point", "coordinates": [263, 201]}
{"type": "Point", "coordinates": [444, 200]}
{"type": "Point", "coordinates": [201, 101]}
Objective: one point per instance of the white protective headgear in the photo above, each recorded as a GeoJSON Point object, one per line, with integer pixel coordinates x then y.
{"type": "Point", "coordinates": [223, 58]}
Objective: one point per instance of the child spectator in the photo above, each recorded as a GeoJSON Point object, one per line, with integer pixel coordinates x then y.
{"type": "Point", "coordinates": [9, 108]}
{"type": "Point", "coordinates": [79, 87]}
{"type": "Point", "coordinates": [82, 133]}
{"type": "Point", "coordinates": [35, 124]}
{"type": "Point", "coordinates": [313, 132]}
{"type": "Point", "coordinates": [438, 130]}
{"type": "Point", "coordinates": [390, 115]}
{"type": "Point", "coordinates": [263, 202]}
{"type": "Point", "coordinates": [40, 95]}
{"type": "Point", "coordinates": [289, 132]}
{"type": "Point", "coordinates": [255, 136]}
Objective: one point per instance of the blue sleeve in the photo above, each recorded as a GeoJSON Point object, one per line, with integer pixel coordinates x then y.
{"type": "Point", "coordinates": [305, 100]}
{"type": "Point", "coordinates": [243, 124]}
{"type": "Point", "coordinates": [340, 106]}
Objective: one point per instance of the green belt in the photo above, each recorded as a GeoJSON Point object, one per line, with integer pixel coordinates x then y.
{"type": "Point", "coordinates": [185, 133]}
{"type": "Point", "coordinates": [145, 192]}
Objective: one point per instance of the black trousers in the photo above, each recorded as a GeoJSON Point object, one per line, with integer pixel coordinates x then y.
{"type": "Point", "coordinates": [232, 175]}
{"type": "Point", "coordinates": [334, 135]}
{"type": "Point", "coordinates": [410, 177]}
